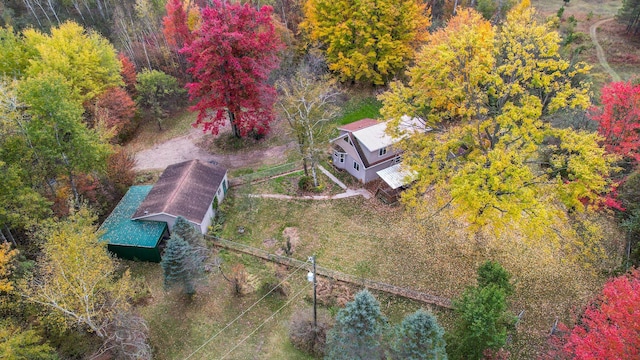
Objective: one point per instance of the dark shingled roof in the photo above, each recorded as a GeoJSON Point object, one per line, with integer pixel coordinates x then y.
{"type": "Point", "coordinates": [186, 189]}
{"type": "Point", "coordinates": [360, 124]}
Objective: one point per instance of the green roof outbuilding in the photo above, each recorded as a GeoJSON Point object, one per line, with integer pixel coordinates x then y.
{"type": "Point", "coordinates": [133, 239]}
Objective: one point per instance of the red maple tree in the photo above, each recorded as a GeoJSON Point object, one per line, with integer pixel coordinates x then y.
{"type": "Point", "coordinates": [232, 54]}
{"type": "Point", "coordinates": [619, 119]}
{"type": "Point", "coordinates": [115, 109]}
{"type": "Point", "coordinates": [610, 326]}
{"type": "Point", "coordinates": [128, 73]}
{"type": "Point", "coordinates": [175, 25]}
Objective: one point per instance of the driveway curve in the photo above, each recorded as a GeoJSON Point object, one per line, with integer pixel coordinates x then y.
{"type": "Point", "coordinates": [184, 148]}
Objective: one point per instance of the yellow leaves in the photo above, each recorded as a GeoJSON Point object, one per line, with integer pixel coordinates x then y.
{"type": "Point", "coordinates": [484, 91]}
{"type": "Point", "coordinates": [86, 60]}
{"type": "Point", "coordinates": [369, 41]}
{"type": "Point", "coordinates": [7, 256]}
{"type": "Point", "coordinates": [77, 276]}
{"type": "Point", "coordinates": [454, 67]}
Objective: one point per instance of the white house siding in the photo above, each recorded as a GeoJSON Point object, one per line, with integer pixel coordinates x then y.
{"type": "Point", "coordinates": [169, 219]}
{"type": "Point", "coordinates": [206, 222]}
{"type": "Point", "coordinates": [374, 156]}
{"type": "Point", "coordinates": [371, 172]}
{"type": "Point", "coordinates": [358, 174]}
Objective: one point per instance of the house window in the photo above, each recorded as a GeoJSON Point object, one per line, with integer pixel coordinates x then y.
{"type": "Point", "coordinates": [342, 157]}
{"type": "Point", "coordinates": [396, 160]}
{"type": "Point", "coordinates": [356, 166]}
{"type": "Point", "coordinates": [224, 185]}
{"type": "Point", "coordinates": [382, 151]}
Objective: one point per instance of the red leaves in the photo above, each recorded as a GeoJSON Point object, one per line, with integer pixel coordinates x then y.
{"type": "Point", "coordinates": [128, 73]}
{"type": "Point", "coordinates": [610, 326]}
{"type": "Point", "coordinates": [232, 55]}
{"type": "Point", "coordinates": [620, 119]}
{"type": "Point", "coordinates": [115, 109]}
{"type": "Point", "coordinates": [175, 25]}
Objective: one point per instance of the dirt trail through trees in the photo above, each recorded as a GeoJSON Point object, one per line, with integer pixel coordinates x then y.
{"type": "Point", "coordinates": [184, 148]}
{"type": "Point", "coordinates": [601, 58]}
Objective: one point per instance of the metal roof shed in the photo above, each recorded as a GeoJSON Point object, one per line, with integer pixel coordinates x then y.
{"type": "Point", "coordinates": [396, 177]}
{"type": "Point", "coordinates": [133, 239]}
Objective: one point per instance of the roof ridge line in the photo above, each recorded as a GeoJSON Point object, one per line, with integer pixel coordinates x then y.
{"type": "Point", "coordinates": [175, 191]}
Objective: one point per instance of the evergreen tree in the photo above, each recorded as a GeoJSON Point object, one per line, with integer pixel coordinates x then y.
{"type": "Point", "coordinates": [358, 330]}
{"type": "Point", "coordinates": [174, 264]}
{"type": "Point", "coordinates": [186, 231]}
{"type": "Point", "coordinates": [419, 336]}
{"type": "Point", "coordinates": [483, 317]}
{"type": "Point", "coordinates": [491, 272]}
{"type": "Point", "coordinates": [182, 264]}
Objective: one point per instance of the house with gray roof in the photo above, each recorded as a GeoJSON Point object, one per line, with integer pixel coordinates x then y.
{"type": "Point", "coordinates": [146, 214]}
{"type": "Point", "coordinates": [191, 189]}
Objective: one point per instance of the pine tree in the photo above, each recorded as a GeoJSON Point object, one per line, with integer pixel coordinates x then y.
{"type": "Point", "coordinates": [358, 329]}
{"type": "Point", "coordinates": [419, 336]}
{"type": "Point", "coordinates": [186, 231]}
{"type": "Point", "coordinates": [483, 317]}
{"type": "Point", "coordinates": [491, 272]}
{"type": "Point", "coordinates": [175, 265]}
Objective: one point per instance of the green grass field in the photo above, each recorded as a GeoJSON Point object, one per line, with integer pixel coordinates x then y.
{"type": "Point", "coordinates": [359, 108]}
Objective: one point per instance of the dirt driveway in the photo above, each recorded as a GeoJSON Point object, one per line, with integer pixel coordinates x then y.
{"type": "Point", "coordinates": [184, 148]}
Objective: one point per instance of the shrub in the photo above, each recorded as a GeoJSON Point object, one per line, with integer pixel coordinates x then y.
{"type": "Point", "coordinates": [305, 183]}
{"type": "Point", "coordinates": [304, 337]}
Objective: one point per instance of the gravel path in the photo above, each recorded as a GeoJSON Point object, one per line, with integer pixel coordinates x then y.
{"type": "Point", "coordinates": [601, 58]}
{"type": "Point", "coordinates": [184, 148]}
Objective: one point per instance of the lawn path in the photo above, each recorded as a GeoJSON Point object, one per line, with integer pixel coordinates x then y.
{"type": "Point", "coordinates": [348, 193]}
{"type": "Point", "coordinates": [601, 58]}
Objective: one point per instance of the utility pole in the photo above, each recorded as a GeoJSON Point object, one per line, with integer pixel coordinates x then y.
{"type": "Point", "coordinates": [312, 277]}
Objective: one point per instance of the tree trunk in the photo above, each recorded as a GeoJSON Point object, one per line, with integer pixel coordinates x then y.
{"type": "Point", "coordinates": [234, 126]}
{"type": "Point", "coordinates": [314, 173]}
{"type": "Point", "coordinates": [13, 240]}
{"type": "Point", "coordinates": [306, 167]}
{"type": "Point", "coordinates": [311, 154]}
{"type": "Point", "coordinates": [29, 6]}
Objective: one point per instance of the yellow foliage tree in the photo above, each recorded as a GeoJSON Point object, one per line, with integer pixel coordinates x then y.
{"type": "Point", "coordinates": [483, 92]}
{"type": "Point", "coordinates": [85, 59]}
{"type": "Point", "coordinates": [78, 278]}
{"type": "Point", "coordinates": [369, 40]}
{"type": "Point", "coordinates": [7, 256]}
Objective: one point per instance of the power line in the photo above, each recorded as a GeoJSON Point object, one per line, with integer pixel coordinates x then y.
{"type": "Point", "coordinates": [244, 312]}
{"type": "Point", "coordinates": [264, 322]}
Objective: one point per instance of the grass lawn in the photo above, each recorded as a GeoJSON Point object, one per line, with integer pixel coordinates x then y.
{"type": "Point", "coordinates": [288, 185]}
{"type": "Point", "coordinates": [358, 108]}
{"type": "Point", "coordinates": [365, 238]}
{"type": "Point", "coordinates": [178, 326]}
